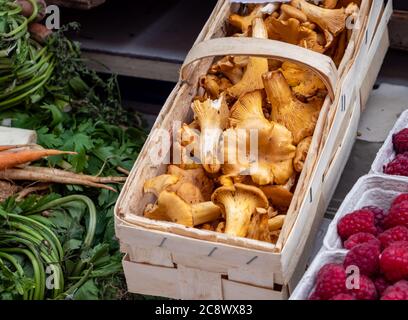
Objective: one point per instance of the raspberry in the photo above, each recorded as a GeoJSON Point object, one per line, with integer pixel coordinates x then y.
{"type": "Point", "coordinates": [331, 280]}
{"type": "Point", "coordinates": [314, 296]}
{"type": "Point", "coordinates": [365, 257]}
{"type": "Point", "coordinates": [397, 216]}
{"type": "Point", "coordinates": [343, 296]}
{"type": "Point", "coordinates": [398, 291]}
{"type": "Point", "coordinates": [398, 233]}
{"type": "Point", "coordinates": [381, 284]}
{"type": "Point", "coordinates": [400, 141]}
{"type": "Point", "coordinates": [357, 221]}
{"type": "Point", "coordinates": [360, 238]}
{"type": "Point", "coordinates": [394, 261]}
{"type": "Point", "coordinates": [366, 290]}
{"type": "Point", "coordinates": [379, 216]}
{"type": "Point", "coordinates": [401, 198]}
{"type": "Point", "coordinates": [398, 166]}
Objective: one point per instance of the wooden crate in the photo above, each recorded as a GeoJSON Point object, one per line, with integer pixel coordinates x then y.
{"type": "Point", "coordinates": [171, 260]}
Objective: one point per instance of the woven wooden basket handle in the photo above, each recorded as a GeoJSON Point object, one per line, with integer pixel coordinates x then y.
{"type": "Point", "coordinates": [322, 65]}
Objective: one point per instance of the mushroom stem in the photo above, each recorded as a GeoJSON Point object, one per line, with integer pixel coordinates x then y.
{"type": "Point", "coordinates": [239, 203]}
{"type": "Point", "coordinates": [276, 223]}
{"type": "Point", "coordinates": [300, 118]}
{"type": "Point", "coordinates": [170, 207]}
{"type": "Point", "coordinates": [333, 20]}
{"type": "Point", "coordinates": [245, 22]}
{"type": "Point", "coordinates": [204, 212]}
{"type": "Point", "coordinates": [237, 219]}
{"type": "Point", "coordinates": [292, 12]}
{"type": "Point", "coordinates": [330, 4]}
{"type": "Point", "coordinates": [252, 77]}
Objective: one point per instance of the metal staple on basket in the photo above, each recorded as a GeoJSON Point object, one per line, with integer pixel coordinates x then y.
{"type": "Point", "coordinates": [252, 260]}
{"type": "Point", "coordinates": [212, 251]}
{"type": "Point", "coordinates": [162, 242]}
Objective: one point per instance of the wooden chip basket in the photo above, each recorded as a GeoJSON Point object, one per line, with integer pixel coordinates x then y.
{"type": "Point", "coordinates": [170, 260]}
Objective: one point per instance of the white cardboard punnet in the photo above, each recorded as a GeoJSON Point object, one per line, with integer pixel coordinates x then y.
{"type": "Point", "coordinates": [370, 190]}
{"type": "Point", "coordinates": [386, 154]}
{"type": "Point", "coordinates": [307, 284]}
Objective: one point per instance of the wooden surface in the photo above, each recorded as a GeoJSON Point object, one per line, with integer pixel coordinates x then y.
{"type": "Point", "coordinates": [399, 30]}
{"type": "Point", "coordinates": [77, 4]}
{"type": "Point", "coordinates": [400, 5]}
{"type": "Point", "coordinates": [148, 40]}
{"type": "Point", "coordinates": [145, 68]}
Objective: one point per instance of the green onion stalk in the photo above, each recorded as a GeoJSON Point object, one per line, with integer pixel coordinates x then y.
{"type": "Point", "coordinates": [25, 235]}
{"type": "Point", "coordinates": [25, 66]}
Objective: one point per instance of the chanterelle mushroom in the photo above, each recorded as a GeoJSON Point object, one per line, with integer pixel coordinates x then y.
{"type": "Point", "coordinates": [213, 85]}
{"type": "Point", "coordinates": [160, 183]}
{"type": "Point", "coordinates": [301, 153]}
{"type": "Point", "coordinates": [225, 181]}
{"type": "Point", "coordinates": [213, 119]}
{"type": "Point", "coordinates": [311, 40]}
{"type": "Point", "coordinates": [229, 68]}
{"type": "Point", "coordinates": [304, 83]}
{"type": "Point", "coordinates": [291, 31]}
{"type": "Point", "coordinates": [279, 196]}
{"type": "Point", "coordinates": [252, 77]}
{"type": "Point", "coordinates": [259, 228]}
{"type": "Point", "coordinates": [245, 22]}
{"type": "Point", "coordinates": [275, 148]}
{"type": "Point", "coordinates": [283, 30]}
{"type": "Point", "coordinates": [340, 48]}
{"type": "Point", "coordinates": [239, 203]}
{"type": "Point", "coordinates": [189, 136]}
{"type": "Point", "coordinates": [276, 223]}
{"type": "Point", "coordinates": [332, 20]}
{"type": "Point", "coordinates": [300, 118]}
{"type": "Point", "coordinates": [329, 4]}
{"type": "Point", "coordinates": [288, 11]}
{"type": "Point", "coordinates": [186, 157]}
{"type": "Point", "coordinates": [171, 207]}
{"type": "Point", "coordinates": [193, 186]}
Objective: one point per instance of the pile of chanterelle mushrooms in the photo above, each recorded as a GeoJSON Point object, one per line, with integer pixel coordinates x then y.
{"type": "Point", "coordinates": [325, 28]}
{"type": "Point", "coordinates": [214, 187]}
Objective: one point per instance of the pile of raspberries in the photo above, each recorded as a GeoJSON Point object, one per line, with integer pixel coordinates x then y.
{"type": "Point", "coordinates": [378, 247]}
{"type": "Point", "coordinates": [399, 166]}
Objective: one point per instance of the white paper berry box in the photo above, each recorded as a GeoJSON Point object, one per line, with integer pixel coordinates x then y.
{"type": "Point", "coordinates": [386, 153]}
{"type": "Point", "coordinates": [307, 284]}
{"type": "Point", "coordinates": [369, 190]}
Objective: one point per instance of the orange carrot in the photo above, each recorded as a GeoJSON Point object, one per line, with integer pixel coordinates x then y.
{"type": "Point", "coordinates": [10, 159]}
